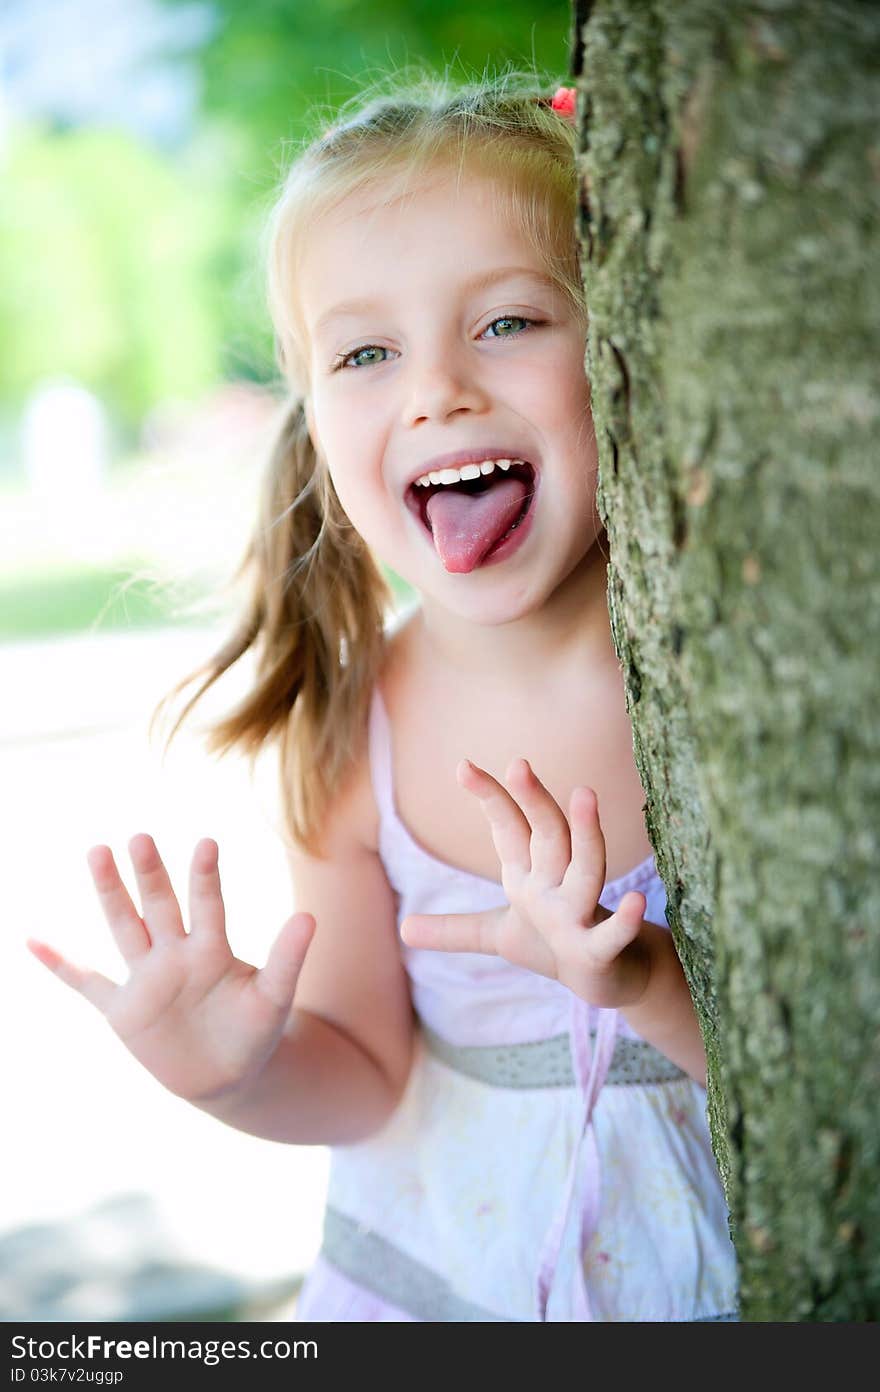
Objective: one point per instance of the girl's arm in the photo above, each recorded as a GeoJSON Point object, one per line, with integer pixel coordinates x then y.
{"type": "Point", "coordinates": [344, 1057]}
{"type": "Point", "coordinates": [319, 1087]}
{"type": "Point", "coordinates": [665, 1014]}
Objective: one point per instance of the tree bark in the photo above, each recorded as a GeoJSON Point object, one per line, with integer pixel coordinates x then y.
{"type": "Point", "coordinates": [729, 156]}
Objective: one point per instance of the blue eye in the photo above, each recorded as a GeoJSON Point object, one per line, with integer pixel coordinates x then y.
{"type": "Point", "coordinates": [343, 358]}
{"type": "Point", "coordinates": [509, 319]}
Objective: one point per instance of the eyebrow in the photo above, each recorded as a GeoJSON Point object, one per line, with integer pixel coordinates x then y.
{"type": "Point", "coordinates": [477, 282]}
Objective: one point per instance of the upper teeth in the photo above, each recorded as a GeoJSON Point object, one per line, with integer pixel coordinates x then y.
{"type": "Point", "coordinates": [468, 471]}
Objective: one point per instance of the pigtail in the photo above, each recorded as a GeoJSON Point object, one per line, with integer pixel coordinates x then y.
{"type": "Point", "coordinates": [315, 620]}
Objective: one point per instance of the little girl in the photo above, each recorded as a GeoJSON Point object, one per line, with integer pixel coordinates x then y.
{"type": "Point", "coordinates": [479, 1006]}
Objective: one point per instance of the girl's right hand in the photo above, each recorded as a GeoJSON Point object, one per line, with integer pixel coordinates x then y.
{"type": "Point", "coordinates": [202, 1021]}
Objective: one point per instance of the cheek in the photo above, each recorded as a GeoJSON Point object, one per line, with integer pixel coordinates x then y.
{"type": "Point", "coordinates": [360, 493]}
{"type": "Point", "coordinates": [349, 488]}
{"type": "Point", "coordinates": [576, 389]}
{"type": "Point", "coordinates": [562, 404]}
{"type": "Point", "coordinates": [575, 383]}
{"type": "Point", "coordinates": [558, 380]}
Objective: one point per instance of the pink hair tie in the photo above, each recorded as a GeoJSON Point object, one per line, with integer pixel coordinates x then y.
{"type": "Point", "coordinates": [564, 102]}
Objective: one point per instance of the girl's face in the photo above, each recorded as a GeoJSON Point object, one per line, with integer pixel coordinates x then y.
{"type": "Point", "coordinates": [433, 329]}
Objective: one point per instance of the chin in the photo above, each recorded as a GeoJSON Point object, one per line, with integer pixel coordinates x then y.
{"type": "Point", "coordinates": [496, 609]}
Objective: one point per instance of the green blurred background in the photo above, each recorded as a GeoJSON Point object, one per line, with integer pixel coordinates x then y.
{"type": "Point", "coordinates": [141, 142]}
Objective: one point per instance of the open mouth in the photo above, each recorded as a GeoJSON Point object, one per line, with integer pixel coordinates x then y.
{"type": "Point", "coordinates": [418, 496]}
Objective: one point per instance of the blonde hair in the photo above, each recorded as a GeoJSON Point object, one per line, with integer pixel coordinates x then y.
{"type": "Point", "coordinates": [319, 602]}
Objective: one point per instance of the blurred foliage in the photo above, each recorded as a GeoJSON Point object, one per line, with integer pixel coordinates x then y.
{"type": "Point", "coordinates": [116, 255]}
{"type": "Point", "coordinates": [271, 65]}
{"type": "Point", "coordinates": [135, 270]}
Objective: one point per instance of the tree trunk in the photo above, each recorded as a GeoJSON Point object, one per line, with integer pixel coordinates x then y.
{"type": "Point", "coordinates": [730, 206]}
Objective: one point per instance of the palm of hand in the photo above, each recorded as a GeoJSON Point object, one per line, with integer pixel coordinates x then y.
{"type": "Point", "coordinates": [200, 1019]}
{"type": "Point", "coordinates": [190, 1015]}
{"type": "Point", "coordinates": [552, 871]}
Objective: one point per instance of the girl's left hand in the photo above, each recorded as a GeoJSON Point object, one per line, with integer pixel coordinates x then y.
{"type": "Point", "coordinates": [553, 871]}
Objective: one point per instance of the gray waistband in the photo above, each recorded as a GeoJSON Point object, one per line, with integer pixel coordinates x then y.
{"type": "Point", "coordinates": [380, 1267]}
{"type": "Point", "coordinates": [546, 1063]}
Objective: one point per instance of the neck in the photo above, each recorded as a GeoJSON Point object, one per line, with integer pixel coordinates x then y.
{"type": "Point", "coordinates": [573, 626]}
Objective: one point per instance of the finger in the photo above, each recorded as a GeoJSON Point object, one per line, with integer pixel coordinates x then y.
{"type": "Point", "coordinates": [453, 932]}
{"type": "Point", "coordinates": [585, 876]}
{"type": "Point", "coordinates": [126, 924]}
{"type": "Point", "coordinates": [277, 979]}
{"type": "Point", "coordinates": [207, 914]}
{"type": "Point", "coordinates": [550, 844]}
{"type": "Point", "coordinates": [97, 989]}
{"type": "Point", "coordinates": [510, 828]}
{"type": "Point", "coordinates": [161, 911]}
{"type": "Point", "coordinates": [609, 937]}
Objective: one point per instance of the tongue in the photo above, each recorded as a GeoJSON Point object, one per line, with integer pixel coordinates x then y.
{"type": "Point", "coordinates": [466, 525]}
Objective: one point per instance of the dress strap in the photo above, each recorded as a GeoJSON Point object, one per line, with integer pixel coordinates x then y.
{"type": "Point", "coordinates": [380, 757]}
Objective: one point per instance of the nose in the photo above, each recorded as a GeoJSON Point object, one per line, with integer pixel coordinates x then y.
{"type": "Point", "coordinates": [440, 382]}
